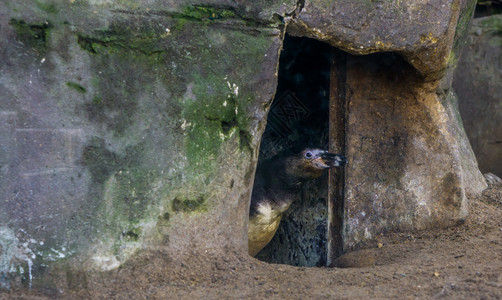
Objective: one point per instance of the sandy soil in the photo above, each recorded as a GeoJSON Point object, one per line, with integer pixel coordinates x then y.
{"type": "Point", "coordinates": [464, 262]}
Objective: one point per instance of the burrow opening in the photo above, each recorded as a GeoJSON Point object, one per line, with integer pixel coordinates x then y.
{"type": "Point", "coordinates": [310, 109]}
{"type": "Point", "coordinates": [298, 118]}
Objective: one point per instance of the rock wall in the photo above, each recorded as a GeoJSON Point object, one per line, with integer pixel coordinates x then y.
{"type": "Point", "coordinates": [410, 164]}
{"type": "Point", "coordinates": [477, 83]}
{"type": "Point", "coordinates": [130, 126]}
{"type": "Point", "coordinates": [125, 127]}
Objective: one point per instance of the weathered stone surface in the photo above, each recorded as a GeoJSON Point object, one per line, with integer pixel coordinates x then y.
{"type": "Point", "coordinates": [423, 32]}
{"type": "Point", "coordinates": [477, 82]}
{"type": "Point", "coordinates": [128, 126]}
{"type": "Point", "coordinates": [411, 164]}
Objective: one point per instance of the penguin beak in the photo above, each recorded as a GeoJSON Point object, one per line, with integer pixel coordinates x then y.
{"type": "Point", "coordinates": [333, 160]}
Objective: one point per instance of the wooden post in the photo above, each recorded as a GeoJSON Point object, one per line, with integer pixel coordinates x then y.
{"type": "Point", "coordinates": [336, 145]}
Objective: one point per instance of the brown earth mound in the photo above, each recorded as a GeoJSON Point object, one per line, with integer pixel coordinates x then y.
{"type": "Point", "coordinates": [456, 263]}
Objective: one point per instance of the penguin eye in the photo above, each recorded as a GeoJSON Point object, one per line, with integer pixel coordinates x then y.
{"type": "Point", "coordinates": [308, 155]}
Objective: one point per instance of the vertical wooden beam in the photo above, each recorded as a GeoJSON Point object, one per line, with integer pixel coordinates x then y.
{"type": "Point", "coordinates": [337, 145]}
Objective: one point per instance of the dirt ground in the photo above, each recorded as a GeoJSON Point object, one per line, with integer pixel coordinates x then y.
{"type": "Point", "coordinates": [464, 262]}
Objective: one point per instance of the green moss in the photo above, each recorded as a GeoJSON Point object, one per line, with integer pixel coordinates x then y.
{"type": "Point", "coordinates": [218, 112]}
{"type": "Point", "coordinates": [132, 234]}
{"type": "Point", "coordinates": [187, 205]}
{"type": "Point", "coordinates": [205, 137]}
{"type": "Point", "coordinates": [86, 44]}
{"type": "Point", "coordinates": [464, 20]}
{"type": "Point", "coordinates": [495, 41]}
{"type": "Point", "coordinates": [76, 87]}
{"type": "Point", "coordinates": [208, 15]}
{"type": "Point", "coordinates": [131, 194]}
{"type": "Point", "coordinates": [198, 12]}
{"type": "Point", "coordinates": [129, 203]}
{"type": "Point", "coordinates": [492, 23]}
{"type": "Point", "coordinates": [109, 42]}
{"type": "Point", "coordinates": [133, 64]}
{"type": "Point", "coordinates": [137, 38]}
{"type": "Point", "coordinates": [126, 195]}
{"type": "Point", "coordinates": [96, 100]}
{"type": "Point", "coordinates": [49, 8]}
{"type": "Point", "coordinates": [461, 32]}
{"type": "Point", "coordinates": [33, 35]}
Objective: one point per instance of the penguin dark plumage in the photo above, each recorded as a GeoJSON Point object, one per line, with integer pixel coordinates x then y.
{"type": "Point", "coordinates": [277, 180]}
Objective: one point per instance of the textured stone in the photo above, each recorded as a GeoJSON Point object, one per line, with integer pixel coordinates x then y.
{"type": "Point", "coordinates": [423, 32]}
{"type": "Point", "coordinates": [410, 163]}
{"type": "Point", "coordinates": [477, 83]}
{"type": "Point", "coordinates": [126, 126]}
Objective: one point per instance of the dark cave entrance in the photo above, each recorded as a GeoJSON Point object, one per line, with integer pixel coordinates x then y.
{"type": "Point", "coordinates": [366, 107]}
{"type": "Point", "coordinates": [300, 117]}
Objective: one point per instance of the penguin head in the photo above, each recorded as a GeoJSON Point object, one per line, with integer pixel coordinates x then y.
{"type": "Point", "coordinates": [322, 159]}
{"type": "Point", "coordinates": [311, 162]}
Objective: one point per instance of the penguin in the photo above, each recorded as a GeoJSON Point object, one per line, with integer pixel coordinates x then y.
{"type": "Point", "coordinates": [277, 180]}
